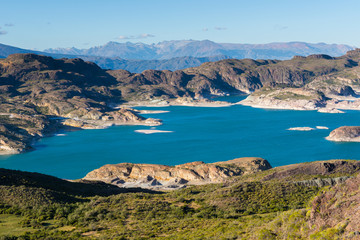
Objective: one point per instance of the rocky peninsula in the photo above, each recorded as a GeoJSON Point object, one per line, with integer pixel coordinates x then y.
{"type": "Point", "coordinates": [327, 92]}
{"type": "Point", "coordinates": [345, 134]}
{"type": "Point", "coordinates": [41, 96]}
{"type": "Point", "coordinates": [162, 177]}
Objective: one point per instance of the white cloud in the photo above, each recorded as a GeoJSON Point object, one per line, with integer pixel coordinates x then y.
{"type": "Point", "coordinates": [220, 28]}
{"type": "Point", "coordinates": [141, 36]}
{"type": "Point", "coordinates": [9, 25]}
{"type": "Point", "coordinates": [3, 32]}
{"type": "Point", "coordinates": [205, 29]}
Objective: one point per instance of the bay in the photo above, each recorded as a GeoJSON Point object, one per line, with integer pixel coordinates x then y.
{"type": "Point", "coordinates": [198, 134]}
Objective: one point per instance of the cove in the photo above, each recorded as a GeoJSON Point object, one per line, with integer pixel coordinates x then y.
{"type": "Point", "coordinates": [197, 134]}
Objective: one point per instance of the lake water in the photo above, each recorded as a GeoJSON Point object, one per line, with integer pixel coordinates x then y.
{"type": "Point", "coordinates": [199, 134]}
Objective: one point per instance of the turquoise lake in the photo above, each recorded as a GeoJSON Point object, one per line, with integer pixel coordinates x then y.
{"type": "Point", "coordinates": [199, 134]}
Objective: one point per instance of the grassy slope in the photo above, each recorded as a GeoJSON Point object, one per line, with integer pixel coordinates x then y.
{"type": "Point", "coordinates": [248, 207]}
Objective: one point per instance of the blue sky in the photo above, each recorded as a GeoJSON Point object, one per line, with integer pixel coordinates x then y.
{"type": "Point", "coordinates": [40, 24]}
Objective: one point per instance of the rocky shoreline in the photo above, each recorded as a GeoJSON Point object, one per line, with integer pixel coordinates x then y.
{"type": "Point", "coordinates": [329, 106]}
{"type": "Point", "coordinates": [82, 119]}
{"type": "Point", "coordinates": [290, 99]}
{"type": "Point", "coordinates": [167, 178]}
{"type": "Point", "coordinates": [181, 101]}
{"type": "Point", "coordinates": [345, 134]}
{"type": "Point", "coordinates": [94, 119]}
{"type": "Point", "coordinates": [16, 143]}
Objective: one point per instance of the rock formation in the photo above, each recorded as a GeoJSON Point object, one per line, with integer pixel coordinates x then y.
{"type": "Point", "coordinates": [301, 129]}
{"type": "Point", "coordinates": [345, 134]}
{"type": "Point", "coordinates": [156, 176]}
{"type": "Point", "coordinates": [40, 95]}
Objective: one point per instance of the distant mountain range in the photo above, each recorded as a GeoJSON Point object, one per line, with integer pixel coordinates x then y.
{"type": "Point", "coordinates": [139, 66]}
{"type": "Point", "coordinates": [131, 65]}
{"type": "Point", "coordinates": [206, 48]}
{"type": "Point", "coordinates": [174, 55]}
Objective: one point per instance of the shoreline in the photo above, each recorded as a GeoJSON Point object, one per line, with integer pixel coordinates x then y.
{"type": "Point", "coordinates": [74, 124]}
{"type": "Point", "coordinates": [71, 124]}
{"type": "Point", "coordinates": [274, 107]}
{"type": "Point", "coordinates": [87, 125]}
{"type": "Point", "coordinates": [108, 124]}
{"type": "Point", "coordinates": [166, 103]}
{"type": "Point", "coordinates": [329, 108]}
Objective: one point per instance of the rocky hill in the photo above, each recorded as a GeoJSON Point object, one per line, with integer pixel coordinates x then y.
{"type": "Point", "coordinates": [138, 66]}
{"type": "Point", "coordinates": [156, 176]}
{"type": "Point", "coordinates": [335, 88]}
{"type": "Point", "coordinates": [345, 134]}
{"type": "Point", "coordinates": [34, 189]}
{"type": "Point", "coordinates": [338, 209]}
{"type": "Point", "coordinates": [40, 94]}
{"type": "Point", "coordinates": [6, 50]}
{"type": "Point", "coordinates": [231, 76]}
{"type": "Point", "coordinates": [279, 203]}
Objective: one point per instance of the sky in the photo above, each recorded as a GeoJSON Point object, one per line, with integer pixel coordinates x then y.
{"type": "Point", "coordinates": [42, 24]}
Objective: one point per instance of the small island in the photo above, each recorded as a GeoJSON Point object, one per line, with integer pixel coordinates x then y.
{"type": "Point", "coordinates": [345, 134]}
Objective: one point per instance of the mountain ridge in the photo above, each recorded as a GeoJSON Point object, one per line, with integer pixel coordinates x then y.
{"type": "Point", "coordinates": [204, 48]}
{"type": "Point", "coordinates": [179, 54]}
{"type": "Point", "coordinates": [113, 63]}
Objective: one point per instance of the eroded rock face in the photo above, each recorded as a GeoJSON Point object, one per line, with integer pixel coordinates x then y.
{"type": "Point", "coordinates": [171, 177]}
{"type": "Point", "coordinates": [345, 134]}
{"type": "Point", "coordinates": [338, 207]}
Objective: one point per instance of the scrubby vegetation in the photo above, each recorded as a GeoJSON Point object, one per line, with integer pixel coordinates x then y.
{"type": "Point", "coordinates": [213, 211]}
{"type": "Point", "coordinates": [258, 206]}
